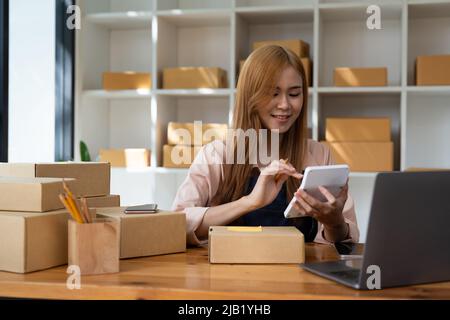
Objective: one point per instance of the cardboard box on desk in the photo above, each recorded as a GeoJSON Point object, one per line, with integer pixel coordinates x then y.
{"type": "Point", "coordinates": [363, 156]}
{"type": "Point", "coordinates": [31, 194]}
{"type": "Point", "coordinates": [33, 241]}
{"type": "Point", "coordinates": [179, 156]}
{"type": "Point", "coordinates": [126, 81]}
{"type": "Point", "coordinates": [299, 47]}
{"type": "Point", "coordinates": [194, 78]}
{"type": "Point", "coordinates": [103, 202]}
{"type": "Point", "coordinates": [92, 178]}
{"type": "Point", "coordinates": [256, 245]}
{"type": "Point", "coordinates": [126, 158]}
{"type": "Point", "coordinates": [358, 130]}
{"type": "Point", "coordinates": [190, 134]}
{"type": "Point", "coordinates": [433, 70]}
{"type": "Point", "coordinates": [144, 235]}
{"type": "Point", "coordinates": [360, 77]}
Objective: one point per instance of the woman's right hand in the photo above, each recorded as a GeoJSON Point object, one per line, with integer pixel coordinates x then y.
{"type": "Point", "coordinates": [269, 184]}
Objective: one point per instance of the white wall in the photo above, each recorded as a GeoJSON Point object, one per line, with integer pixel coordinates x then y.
{"type": "Point", "coordinates": [32, 81]}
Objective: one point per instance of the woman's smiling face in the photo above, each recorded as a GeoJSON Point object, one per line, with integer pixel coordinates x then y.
{"type": "Point", "coordinates": [286, 102]}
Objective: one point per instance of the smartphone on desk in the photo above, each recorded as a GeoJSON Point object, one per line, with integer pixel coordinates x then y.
{"type": "Point", "coordinates": [331, 177]}
{"type": "Point", "coordinates": [143, 209]}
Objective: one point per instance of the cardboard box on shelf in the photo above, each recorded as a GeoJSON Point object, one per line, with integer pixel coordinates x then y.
{"type": "Point", "coordinates": [194, 78]}
{"type": "Point", "coordinates": [31, 194]}
{"type": "Point", "coordinates": [144, 235]}
{"type": "Point", "coordinates": [358, 130]}
{"type": "Point", "coordinates": [126, 81]}
{"type": "Point", "coordinates": [126, 158]}
{"type": "Point", "coordinates": [192, 134]}
{"type": "Point", "coordinates": [299, 47]}
{"type": "Point", "coordinates": [363, 156]}
{"type": "Point", "coordinates": [179, 157]}
{"type": "Point", "coordinates": [103, 202]}
{"type": "Point", "coordinates": [256, 245]}
{"type": "Point", "coordinates": [433, 70]}
{"type": "Point", "coordinates": [32, 242]}
{"type": "Point", "coordinates": [307, 65]}
{"type": "Point", "coordinates": [241, 65]}
{"type": "Point", "coordinates": [360, 77]}
{"type": "Point", "coordinates": [92, 178]}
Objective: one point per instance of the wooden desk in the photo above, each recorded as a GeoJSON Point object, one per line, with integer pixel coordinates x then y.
{"type": "Point", "coordinates": [190, 276]}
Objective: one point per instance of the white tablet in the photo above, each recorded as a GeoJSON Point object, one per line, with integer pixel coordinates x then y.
{"type": "Point", "coordinates": [331, 177]}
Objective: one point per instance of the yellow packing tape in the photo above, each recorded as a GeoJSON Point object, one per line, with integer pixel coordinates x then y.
{"type": "Point", "coordinates": [245, 229]}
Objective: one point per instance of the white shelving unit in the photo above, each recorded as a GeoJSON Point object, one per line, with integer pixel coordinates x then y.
{"type": "Point", "coordinates": [150, 35]}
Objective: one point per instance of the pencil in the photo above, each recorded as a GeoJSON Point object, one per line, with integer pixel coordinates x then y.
{"type": "Point", "coordinates": [69, 208]}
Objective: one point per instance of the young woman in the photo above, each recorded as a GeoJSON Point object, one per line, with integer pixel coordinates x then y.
{"type": "Point", "coordinates": [271, 94]}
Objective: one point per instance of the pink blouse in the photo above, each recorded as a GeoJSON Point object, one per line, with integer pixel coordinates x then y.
{"type": "Point", "coordinates": [195, 194]}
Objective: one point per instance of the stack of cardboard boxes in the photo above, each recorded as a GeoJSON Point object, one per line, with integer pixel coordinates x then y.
{"type": "Point", "coordinates": [33, 223]}
{"type": "Point", "coordinates": [186, 139]}
{"type": "Point", "coordinates": [299, 47]}
{"type": "Point", "coordinates": [362, 143]}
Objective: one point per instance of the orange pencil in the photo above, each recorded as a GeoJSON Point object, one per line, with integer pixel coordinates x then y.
{"type": "Point", "coordinates": [69, 208]}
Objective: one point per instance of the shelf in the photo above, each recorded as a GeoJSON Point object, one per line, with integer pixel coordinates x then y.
{"type": "Point", "coordinates": [358, 10]}
{"type": "Point", "coordinates": [346, 90]}
{"type": "Point", "coordinates": [272, 15]}
{"type": "Point", "coordinates": [432, 90]}
{"type": "Point", "coordinates": [125, 94]}
{"type": "Point", "coordinates": [196, 17]}
{"type": "Point", "coordinates": [122, 20]}
{"type": "Point", "coordinates": [195, 92]}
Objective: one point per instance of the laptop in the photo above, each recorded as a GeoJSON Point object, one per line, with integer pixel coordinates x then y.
{"type": "Point", "coordinates": [408, 237]}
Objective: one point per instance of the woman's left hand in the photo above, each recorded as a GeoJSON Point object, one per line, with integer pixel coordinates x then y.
{"type": "Point", "coordinates": [328, 213]}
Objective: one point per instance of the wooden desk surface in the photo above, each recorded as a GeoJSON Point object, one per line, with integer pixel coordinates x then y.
{"type": "Point", "coordinates": [190, 276]}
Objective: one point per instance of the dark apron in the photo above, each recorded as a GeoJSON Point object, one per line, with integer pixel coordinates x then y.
{"type": "Point", "coordinates": [273, 215]}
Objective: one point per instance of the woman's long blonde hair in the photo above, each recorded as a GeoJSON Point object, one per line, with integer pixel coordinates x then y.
{"type": "Point", "coordinates": [255, 87]}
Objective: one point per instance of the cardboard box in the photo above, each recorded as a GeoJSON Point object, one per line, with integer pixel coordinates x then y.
{"type": "Point", "coordinates": [256, 245]}
{"type": "Point", "coordinates": [433, 70]}
{"type": "Point", "coordinates": [307, 65]}
{"type": "Point", "coordinates": [360, 77]}
{"type": "Point", "coordinates": [103, 202]}
{"type": "Point", "coordinates": [126, 158]}
{"type": "Point", "coordinates": [126, 81]}
{"type": "Point", "coordinates": [194, 78]}
{"type": "Point", "coordinates": [241, 65]}
{"type": "Point", "coordinates": [358, 130]}
{"type": "Point", "coordinates": [299, 47]}
{"type": "Point", "coordinates": [32, 242]}
{"type": "Point", "coordinates": [190, 134]}
{"type": "Point", "coordinates": [92, 178]}
{"type": "Point", "coordinates": [31, 194]}
{"type": "Point", "coordinates": [144, 235]}
{"type": "Point", "coordinates": [364, 156]}
{"type": "Point", "coordinates": [179, 156]}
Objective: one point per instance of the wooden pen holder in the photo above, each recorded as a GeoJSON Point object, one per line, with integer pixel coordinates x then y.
{"type": "Point", "coordinates": [94, 247]}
